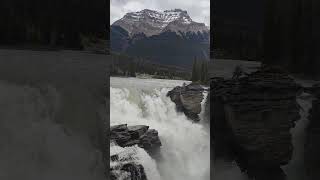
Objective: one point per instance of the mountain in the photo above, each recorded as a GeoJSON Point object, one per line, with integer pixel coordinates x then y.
{"type": "Point", "coordinates": [152, 22]}
{"type": "Point", "coordinates": [168, 37]}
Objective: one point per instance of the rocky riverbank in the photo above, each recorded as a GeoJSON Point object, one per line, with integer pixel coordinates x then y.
{"type": "Point", "coordinates": [252, 117]}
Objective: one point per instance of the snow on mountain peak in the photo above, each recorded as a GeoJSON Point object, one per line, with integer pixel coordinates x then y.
{"type": "Point", "coordinates": [151, 22]}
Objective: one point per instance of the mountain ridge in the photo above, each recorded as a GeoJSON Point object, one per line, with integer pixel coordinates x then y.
{"type": "Point", "coordinates": [170, 37]}
{"type": "Point", "coordinates": [151, 22]}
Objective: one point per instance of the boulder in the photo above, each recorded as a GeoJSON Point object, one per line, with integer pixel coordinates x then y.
{"type": "Point", "coordinates": [126, 136]}
{"type": "Point", "coordinates": [252, 117]}
{"type": "Point", "coordinates": [188, 100]}
{"type": "Point", "coordinates": [129, 171]}
{"type": "Point", "coordinates": [140, 135]}
{"type": "Point", "coordinates": [150, 140]}
{"type": "Point", "coordinates": [137, 131]}
{"type": "Point", "coordinates": [136, 171]}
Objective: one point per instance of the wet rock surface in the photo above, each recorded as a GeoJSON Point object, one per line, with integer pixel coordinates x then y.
{"type": "Point", "coordinates": [188, 99]}
{"type": "Point", "coordinates": [140, 135]}
{"type": "Point", "coordinates": [252, 117]}
{"type": "Point", "coordinates": [130, 171]}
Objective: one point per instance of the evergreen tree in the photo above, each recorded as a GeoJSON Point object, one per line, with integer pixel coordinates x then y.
{"type": "Point", "coordinates": [132, 69]}
{"type": "Point", "coordinates": [194, 76]}
{"type": "Point", "coordinates": [205, 73]}
{"type": "Point", "coordinates": [202, 71]}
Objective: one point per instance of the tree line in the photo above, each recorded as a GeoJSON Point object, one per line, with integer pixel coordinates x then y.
{"type": "Point", "coordinates": [124, 65]}
{"type": "Point", "coordinates": [52, 22]}
{"type": "Point", "coordinates": [200, 71]}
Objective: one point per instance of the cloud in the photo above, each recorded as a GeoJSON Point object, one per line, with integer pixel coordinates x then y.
{"type": "Point", "coordinates": [199, 10]}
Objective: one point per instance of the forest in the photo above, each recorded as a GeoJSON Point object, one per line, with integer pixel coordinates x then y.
{"type": "Point", "coordinates": [129, 66]}
{"type": "Point", "coordinates": [124, 65]}
{"type": "Point", "coordinates": [54, 23]}
{"type": "Point", "coordinates": [281, 33]}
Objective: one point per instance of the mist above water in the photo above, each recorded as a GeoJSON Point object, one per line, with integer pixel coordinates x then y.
{"type": "Point", "coordinates": [33, 146]}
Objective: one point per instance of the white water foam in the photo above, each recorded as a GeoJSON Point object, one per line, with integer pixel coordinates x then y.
{"type": "Point", "coordinates": [295, 168]}
{"type": "Point", "coordinates": [203, 115]}
{"type": "Point", "coordinates": [136, 155]}
{"type": "Point", "coordinates": [185, 146]}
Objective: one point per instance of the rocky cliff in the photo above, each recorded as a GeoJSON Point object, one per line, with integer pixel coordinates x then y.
{"type": "Point", "coordinates": [252, 117]}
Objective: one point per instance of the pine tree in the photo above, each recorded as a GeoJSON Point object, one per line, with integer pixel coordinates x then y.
{"type": "Point", "coordinates": [194, 76]}
{"type": "Point", "coordinates": [202, 72]}
{"type": "Point", "coordinates": [205, 78]}
{"type": "Point", "coordinates": [132, 71]}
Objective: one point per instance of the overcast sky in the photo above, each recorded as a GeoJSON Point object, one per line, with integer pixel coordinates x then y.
{"type": "Point", "coordinates": [199, 10]}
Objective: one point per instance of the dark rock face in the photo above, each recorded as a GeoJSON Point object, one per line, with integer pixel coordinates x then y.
{"type": "Point", "coordinates": [136, 171]}
{"type": "Point", "coordinates": [132, 171]}
{"type": "Point", "coordinates": [140, 135]}
{"type": "Point", "coordinates": [252, 117]}
{"type": "Point", "coordinates": [312, 146]}
{"type": "Point", "coordinates": [188, 100]}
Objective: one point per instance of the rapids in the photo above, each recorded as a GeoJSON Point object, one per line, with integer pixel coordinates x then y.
{"type": "Point", "coordinates": [185, 150]}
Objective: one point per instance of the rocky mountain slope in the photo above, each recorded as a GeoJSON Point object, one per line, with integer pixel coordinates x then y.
{"type": "Point", "coordinates": [168, 37]}
{"type": "Point", "coordinates": [151, 22]}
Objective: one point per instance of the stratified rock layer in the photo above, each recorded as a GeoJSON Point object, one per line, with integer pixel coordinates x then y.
{"type": "Point", "coordinates": [252, 117]}
{"type": "Point", "coordinates": [188, 100]}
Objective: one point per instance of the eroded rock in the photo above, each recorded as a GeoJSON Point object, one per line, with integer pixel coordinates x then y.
{"type": "Point", "coordinates": [188, 100]}
{"type": "Point", "coordinates": [140, 135]}
{"type": "Point", "coordinates": [252, 117]}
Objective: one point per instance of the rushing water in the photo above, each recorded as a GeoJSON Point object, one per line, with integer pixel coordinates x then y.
{"type": "Point", "coordinates": [295, 168]}
{"type": "Point", "coordinates": [185, 150]}
{"type": "Point", "coordinates": [33, 146]}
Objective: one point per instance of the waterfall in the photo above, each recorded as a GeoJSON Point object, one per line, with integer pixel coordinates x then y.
{"type": "Point", "coordinates": [33, 146]}
{"type": "Point", "coordinates": [185, 150]}
{"type": "Point", "coordinates": [295, 168]}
